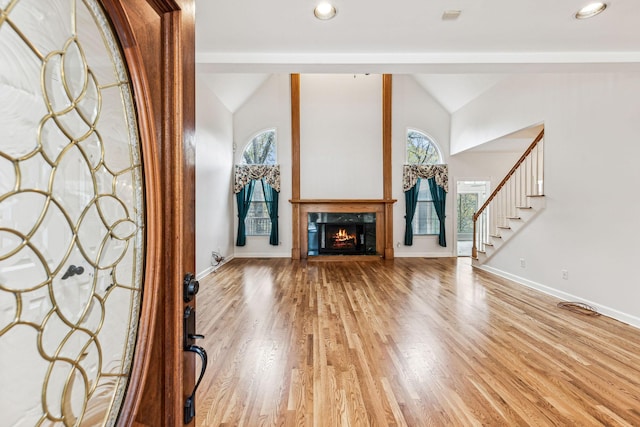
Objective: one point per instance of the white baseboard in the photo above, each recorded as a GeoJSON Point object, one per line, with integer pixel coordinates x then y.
{"type": "Point", "coordinates": [423, 254]}
{"type": "Point", "coordinates": [607, 311]}
{"type": "Point", "coordinates": [212, 268]}
{"type": "Point", "coordinates": [264, 255]}
{"type": "Point", "coordinates": [205, 273]}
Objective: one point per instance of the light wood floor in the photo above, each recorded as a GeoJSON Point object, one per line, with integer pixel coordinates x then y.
{"type": "Point", "coordinates": [410, 342]}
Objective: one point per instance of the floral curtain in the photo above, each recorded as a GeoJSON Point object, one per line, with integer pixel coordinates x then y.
{"type": "Point", "coordinates": [246, 173]}
{"type": "Point", "coordinates": [411, 173]}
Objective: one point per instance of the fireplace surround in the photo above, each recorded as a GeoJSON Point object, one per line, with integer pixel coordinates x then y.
{"type": "Point", "coordinates": [379, 210]}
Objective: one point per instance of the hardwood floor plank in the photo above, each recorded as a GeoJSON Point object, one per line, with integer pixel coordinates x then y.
{"type": "Point", "coordinates": [408, 342]}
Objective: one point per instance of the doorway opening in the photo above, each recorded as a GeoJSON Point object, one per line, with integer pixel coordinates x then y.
{"type": "Point", "coordinates": [470, 197]}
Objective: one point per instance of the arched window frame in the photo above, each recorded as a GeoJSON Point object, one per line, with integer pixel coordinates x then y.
{"type": "Point", "coordinates": [272, 157]}
{"type": "Point", "coordinates": [431, 141]}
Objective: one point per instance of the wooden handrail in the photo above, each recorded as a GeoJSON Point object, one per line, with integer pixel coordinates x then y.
{"type": "Point", "coordinates": [511, 172]}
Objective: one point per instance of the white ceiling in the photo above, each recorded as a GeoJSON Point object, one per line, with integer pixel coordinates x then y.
{"type": "Point", "coordinates": [454, 60]}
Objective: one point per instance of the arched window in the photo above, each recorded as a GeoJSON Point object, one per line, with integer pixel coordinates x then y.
{"type": "Point", "coordinates": [260, 150]}
{"type": "Point", "coordinates": [422, 150]}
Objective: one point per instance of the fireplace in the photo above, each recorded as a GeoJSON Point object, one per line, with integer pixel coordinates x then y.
{"type": "Point", "coordinates": [342, 234]}
{"type": "Point", "coordinates": [306, 213]}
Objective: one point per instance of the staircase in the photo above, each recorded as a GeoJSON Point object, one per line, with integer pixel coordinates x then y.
{"type": "Point", "coordinates": [516, 200]}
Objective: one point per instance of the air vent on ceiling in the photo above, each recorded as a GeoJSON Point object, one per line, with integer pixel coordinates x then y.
{"type": "Point", "coordinates": [450, 15]}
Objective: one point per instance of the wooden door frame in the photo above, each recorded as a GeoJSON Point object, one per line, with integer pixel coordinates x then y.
{"type": "Point", "coordinates": [163, 82]}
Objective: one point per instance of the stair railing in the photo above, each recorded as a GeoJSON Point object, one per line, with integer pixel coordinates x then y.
{"type": "Point", "coordinates": [525, 179]}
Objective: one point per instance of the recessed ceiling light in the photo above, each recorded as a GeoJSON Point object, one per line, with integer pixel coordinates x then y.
{"type": "Point", "coordinates": [591, 10]}
{"type": "Point", "coordinates": [324, 11]}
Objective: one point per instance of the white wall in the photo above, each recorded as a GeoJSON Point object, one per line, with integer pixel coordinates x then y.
{"type": "Point", "coordinates": [269, 107]}
{"type": "Point", "coordinates": [340, 136]}
{"type": "Point", "coordinates": [214, 160]}
{"type": "Point", "coordinates": [591, 174]}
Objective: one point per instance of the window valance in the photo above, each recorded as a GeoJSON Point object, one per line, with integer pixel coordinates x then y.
{"type": "Point", "coordinates": [246, 173]}
{"type": "Point", "coordinates": [411, 173]}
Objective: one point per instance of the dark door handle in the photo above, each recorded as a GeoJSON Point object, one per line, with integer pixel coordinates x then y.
{"type": "Point", "coordinates": [188, 344]}
{"type": "Point", "coordinates": [72, 271]}
{"type": "Point", "coordinates": [190, 287]}
{"type": "Point", "coordinates": [190, 403]}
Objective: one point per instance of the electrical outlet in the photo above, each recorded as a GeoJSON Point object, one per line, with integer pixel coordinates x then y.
{"type": "Point", "coordinates": [523, 263]}
{"type": "Point", "coordinates": [565, 274]}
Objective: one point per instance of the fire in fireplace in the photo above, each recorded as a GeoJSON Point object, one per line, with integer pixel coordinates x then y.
{"type": "Point", "coordinates": [346, 239]}
{"type": "Point", "coordinates": [343, 240]}
{"type": "Point", "coordinates": [342, 233]}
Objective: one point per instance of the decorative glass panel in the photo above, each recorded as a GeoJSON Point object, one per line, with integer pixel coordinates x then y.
{"type": "Point", "coordinates": [71, 216]}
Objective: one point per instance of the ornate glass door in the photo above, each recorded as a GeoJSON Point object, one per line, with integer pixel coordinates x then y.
{"type": "Point", "coordinates": [71, 216]}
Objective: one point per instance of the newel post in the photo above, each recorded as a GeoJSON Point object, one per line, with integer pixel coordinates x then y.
{"type": "Point", "coordinates": [474, 248]}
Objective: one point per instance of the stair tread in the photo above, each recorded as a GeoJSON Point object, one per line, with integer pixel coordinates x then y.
{"type": "Point", "coordinates": [504, 227]}
{"type": "Point", "coordinates": [514, 217]}
{"type": "Point", "coordinates": [524, 207]}
{"type": "Point", "coordinates": [495, 236]}
{"type": "Point", "coordinates": [535, 195]}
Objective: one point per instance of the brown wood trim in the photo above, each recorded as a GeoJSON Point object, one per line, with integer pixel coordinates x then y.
{"type": "Point", "coordinates": [389, 252]}
{"type": "Point", "coordinates": [295, 163]}
{"type": "Point", "coordinates": [185, 55]}
{"type": "Point", "coordinates": [177, 186]}
{"type": "Point", "coordinates": [295, 136]}
{"type": "Point", "coordinates": [164, 6]}
{"type": "Point", "coordinates": [386, 136]}
{"type": "Point", "coordinates": [295, 220]}
{"type": "Point", "coordinates": [153, 232]}
{"type": "Point", "coordinates": [387, 176]}
{"type": "Point", "coordinates": [159, 43]}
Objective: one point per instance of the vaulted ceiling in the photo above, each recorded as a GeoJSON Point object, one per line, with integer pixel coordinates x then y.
{"type": "Point", "coordinates": [455, 60]}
